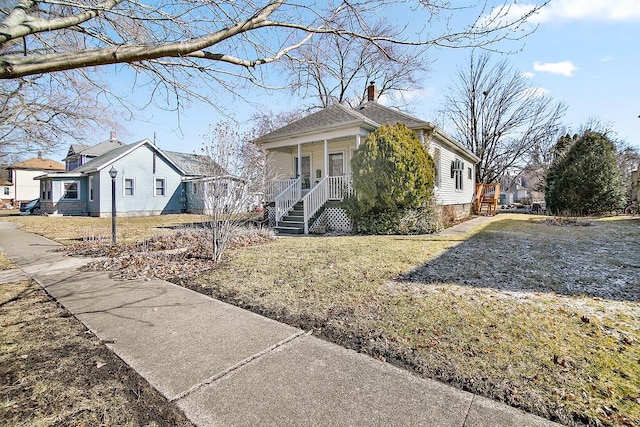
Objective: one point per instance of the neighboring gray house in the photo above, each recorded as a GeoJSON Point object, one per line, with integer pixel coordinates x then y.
{"type": "Point", "coordinates": [79, 154]}
{"type": "Point", "coordinates": [149, 181]}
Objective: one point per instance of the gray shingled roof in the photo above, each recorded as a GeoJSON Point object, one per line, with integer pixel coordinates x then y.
{"type": "Point", "coordinates": [94, 150]}
{"type": "Point", "coordinates": [191, 164]}
{"type": "Point", "coordinates": [388, 116]}
{"type": "Point", "coordinates": [95, 163]}
{"type": "Point", "coordinates": [327, 117]}
{"type": "Point", "coordinates": [335, 115]}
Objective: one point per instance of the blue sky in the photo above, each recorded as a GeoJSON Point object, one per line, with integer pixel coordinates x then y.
{"type": "Point", "coordinates": [581, 54]}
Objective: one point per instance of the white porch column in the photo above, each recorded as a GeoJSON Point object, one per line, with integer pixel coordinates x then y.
{"type": "Point", "coordinates": [326, 158]}
{"type": "Point", "coordinates": [357, 141]}
{"type": "Point", "coordinates": [299, 174]}
{"type": "Point", "coordinates": [421, 136]}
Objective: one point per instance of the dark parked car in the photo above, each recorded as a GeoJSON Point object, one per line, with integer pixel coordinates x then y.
{"type": "Point", "coordinates": [30, 206]}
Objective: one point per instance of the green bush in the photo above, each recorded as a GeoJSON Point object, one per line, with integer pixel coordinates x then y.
{"type": "Point", "coordinates": [584, 178]}
{"type": "Point", "coordinates": [393, 179]}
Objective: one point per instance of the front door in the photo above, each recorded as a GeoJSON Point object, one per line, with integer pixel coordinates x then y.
{"type": "Point", "coordinates": [336, 164]}
{"type": "Point", "coordinates": [306, 171]}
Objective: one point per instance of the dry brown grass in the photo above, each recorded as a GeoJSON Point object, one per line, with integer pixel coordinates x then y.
{"type": "Point", "coordinates": [55, 372]}
{"type": "Point", "coordinates": [5, 263]}
{"type": "Point", "coordinates": [541, 316]}
{"type": "Point", "coordinates": [67, 228]}
{"type": "Point", "coordinates": [545, 318]}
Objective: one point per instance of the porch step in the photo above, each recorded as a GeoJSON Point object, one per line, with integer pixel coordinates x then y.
{"type": "Point", "coordinates": [289, 230]}
{"type": "Point", "coordinates": [293, 222]}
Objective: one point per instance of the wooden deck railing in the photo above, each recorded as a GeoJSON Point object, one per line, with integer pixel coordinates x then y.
{"type": "Point", "coordinates": [287, 198]}
{"type": "Point", "coordinates": [486, 195]}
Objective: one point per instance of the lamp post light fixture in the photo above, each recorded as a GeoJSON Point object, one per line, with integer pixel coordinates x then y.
{"type": "Point", "coordinates": [113, 173]}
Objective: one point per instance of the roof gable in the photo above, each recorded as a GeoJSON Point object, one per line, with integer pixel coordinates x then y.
{"type": "Point", "coordinates": [111, 156]}
{"type": "Point", "coordinates": [93, 150]}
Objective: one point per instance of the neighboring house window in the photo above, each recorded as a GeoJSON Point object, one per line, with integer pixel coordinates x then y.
{"type": "Point", "coordinates": [130, 187]}
{"type": "Point", "coordinates": [457, 173]}
{"type": "Point", "coordinates": [436, 160]}
{"type": "Point", "coordinates": [91, 188]}
{"type": "Point", "coordinates": [194, 188]}
{"type": "Point", "coordinates": [71, 190]}
{"type": "Point", "coordinates": [6, 191]}
{"type": "Point", "coordinates": [46, 190]}
{"type": "Point", "coordinates": [469, 173]}
{"type": "Point", "coordinates": [161, 187]}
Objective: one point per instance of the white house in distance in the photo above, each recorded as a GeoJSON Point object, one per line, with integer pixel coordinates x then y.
{"type": "Point", "coordinates": [21, 186]}
{"type": "Point", "coordinates": [313, 156]}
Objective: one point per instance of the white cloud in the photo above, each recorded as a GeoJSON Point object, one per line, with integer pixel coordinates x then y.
{"type": "Point", "coordinates": [606, 59]}
{"type": "Point", "coordinates": [527, 74]}
{"type": "Point", "coordinates": [564, 68]}
{"type": "Point", "coordinates": [534, 92]}
{"type": "Point", "coordinates": [573, 10]}
{"type": "Point", "coordinates": [406, 96]}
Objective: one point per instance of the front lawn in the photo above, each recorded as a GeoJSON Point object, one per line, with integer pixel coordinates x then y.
{"type": "Point", "coordinates": [543, 317]}
{"type": "Point", "coordinates": [65, 229]}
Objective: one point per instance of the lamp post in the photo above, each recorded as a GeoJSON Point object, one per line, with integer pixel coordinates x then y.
{"type": "Point", "coordinates": [113, 173]}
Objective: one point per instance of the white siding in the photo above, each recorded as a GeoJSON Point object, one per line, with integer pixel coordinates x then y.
{"type": "Point", "coordinates": [26, 188]}
{"type": "Point", "coordinates": [282, 163]}
{"type": "Point", "coordinates": [446, 193]}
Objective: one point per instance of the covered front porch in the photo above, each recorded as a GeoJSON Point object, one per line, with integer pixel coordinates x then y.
{"type": "Point", "coordinates": [295, 208]}
{"type": "Point", "coordinates": [308, 175]}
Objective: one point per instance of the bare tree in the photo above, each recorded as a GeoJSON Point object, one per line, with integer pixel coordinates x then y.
{"type": "Point", "coordinates": [500, 116]}
{"type": "Point", "coordinates": [38, 113]}
{"type": "Point", "coordinates": [335, 69]}
{"type": "Point", "coordinates": [234, 179]}
{"type": "Point", "coordinates": [218, 43]}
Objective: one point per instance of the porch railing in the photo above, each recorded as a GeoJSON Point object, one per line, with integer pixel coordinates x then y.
{"type": "Point", "coordinates": [285, 200]}
{"type": "Point", "coordinates": [276, 187]}
{"type": "Point", "coordinates": [314, 200]}
{"type": "Point", "coordinates": [339, 186]}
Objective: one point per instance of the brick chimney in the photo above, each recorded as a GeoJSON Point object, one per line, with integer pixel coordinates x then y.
{"type": "Point", "coordinates": [40, 155]}
{"type": "Point", "coordinates": [372, 92]}
{"type": "Point", "coordinates": [112, 136]}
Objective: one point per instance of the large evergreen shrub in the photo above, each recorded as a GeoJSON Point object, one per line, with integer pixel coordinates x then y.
{"type": "Point", "coordinates": [584, 178]}
{"type": "Point", "coordinates": [393, 179]}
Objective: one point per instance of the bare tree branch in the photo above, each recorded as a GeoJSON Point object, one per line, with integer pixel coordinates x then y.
{"type": "Point", "coordinates": [499, 116]}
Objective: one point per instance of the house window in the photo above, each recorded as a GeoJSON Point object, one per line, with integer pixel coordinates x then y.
{"type": "Point", "coordinates": [91, 188]}
{"type": "Point", "coordinates": [457, 173]}
{"type": "Point", "coordinates": [129, 186]}
{"type": "Point", "coordinates": [6, 191]}
{"type": "Point", "coordinates": [469, 173]}
{"type": "Point", "coordinates": [71, 190]}
{"type": "Point", "coordinates": [161, 187]}
{"type": "Point", "coordinates": [194, 188]}
{"type": "Point", "coordinates": [436, 161]}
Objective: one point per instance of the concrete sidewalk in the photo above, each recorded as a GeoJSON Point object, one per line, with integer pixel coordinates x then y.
{"type": "Point", "coordinates": [225, 366]}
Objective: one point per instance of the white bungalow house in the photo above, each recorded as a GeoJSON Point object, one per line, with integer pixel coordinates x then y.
{"type": "Point", "coordinates": [313, 155]}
